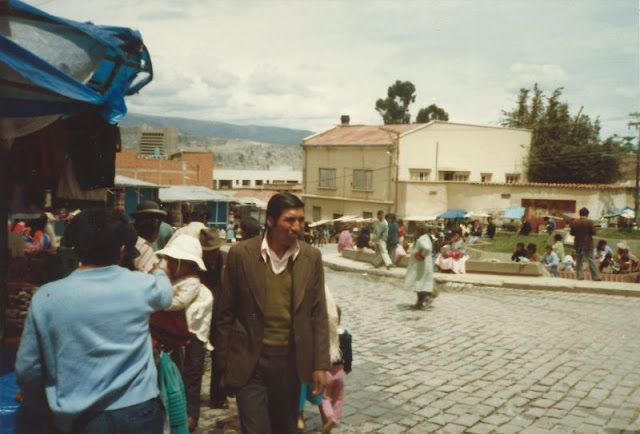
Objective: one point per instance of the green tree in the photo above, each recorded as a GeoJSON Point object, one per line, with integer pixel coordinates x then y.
{"type": "Point", "coordinates": [564, 149]}
{"type": "Point", "coordinates": [394, 109]}
{"type": "Point", "coordinates": [431, 113]}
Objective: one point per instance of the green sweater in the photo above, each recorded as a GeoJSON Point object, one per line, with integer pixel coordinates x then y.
{"type": "Point", "coordinates": [277, 315]}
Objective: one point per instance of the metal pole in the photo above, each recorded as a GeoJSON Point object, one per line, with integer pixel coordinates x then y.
{"type": "Point", "coordinates": [637, 192]}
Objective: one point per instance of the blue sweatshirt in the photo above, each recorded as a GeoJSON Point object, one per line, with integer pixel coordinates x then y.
{"type": "Point", "coordinates": [86, 342]}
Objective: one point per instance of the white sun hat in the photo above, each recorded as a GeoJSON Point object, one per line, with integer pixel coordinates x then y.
{"type": "Point", "coordinates": [184, 247]}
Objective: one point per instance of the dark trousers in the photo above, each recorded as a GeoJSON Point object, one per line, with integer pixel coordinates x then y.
{"type": "Point", "coordinates": [192, 372]}
{"type": "Point", "coordinates": [147, 417]}
{"type": "Point", "coordinates": [391, 248]}
{"type": "Point", "coordinates": [268, 403]}
{"type": "Point", "coordinates": [216, 393]}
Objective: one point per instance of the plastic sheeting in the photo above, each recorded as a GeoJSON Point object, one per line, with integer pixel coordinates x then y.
{"type": "Point", "coordinates": [514, 212]}
{"type": "Point", "coordinates": [51, 66]}
{"type": "Point", "coordinates": [453, 214]}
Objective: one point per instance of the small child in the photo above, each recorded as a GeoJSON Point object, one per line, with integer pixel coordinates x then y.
{"type": "Point", "coordinates": [550, 261]}
{"type": "Point", "coordinates": [606, 266]}
{"type": "Point", "coordinates": [569, 263]}
{"type": "Point", "coordinates": [332, 401]}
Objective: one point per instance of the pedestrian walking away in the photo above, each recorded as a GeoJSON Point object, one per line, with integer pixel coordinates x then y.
{"type": "Point", "coordinates": [85, 357]}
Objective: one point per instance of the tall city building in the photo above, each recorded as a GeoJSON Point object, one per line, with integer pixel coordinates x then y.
{"type": "Point", "coordinates": [158, 143]}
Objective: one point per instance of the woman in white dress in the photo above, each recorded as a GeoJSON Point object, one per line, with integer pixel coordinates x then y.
{"type": "Point", "coordinates": [419, 277]}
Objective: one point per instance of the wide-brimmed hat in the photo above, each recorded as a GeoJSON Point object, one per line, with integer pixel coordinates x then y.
{"type": "Point", "coordinates": [210, 240]}
{"type": "Point", "coordinates": [184, 247]}
{"type": "Point", "coordinates": [622, 245]}
{"type": "Point", "coordinates": [148, 207]}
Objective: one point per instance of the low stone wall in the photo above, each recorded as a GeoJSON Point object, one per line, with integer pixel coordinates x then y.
{"type": "Point", "coordinates": [367, 255]}
{"type": "Point", "coordinates": [625, 278]}
{"type": "Point", "coordinates": [505, 268]}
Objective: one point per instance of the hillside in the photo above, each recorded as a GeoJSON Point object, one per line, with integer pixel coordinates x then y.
{"type": "Point", "coordinates": [198, 128]}
{"type": "Point", "coordinates": [232, 153]}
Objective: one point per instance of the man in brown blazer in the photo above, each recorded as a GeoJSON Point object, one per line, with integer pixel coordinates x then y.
{"type": "Point", "coordinates": [272, 333]}
{"type": "Point", "coordinates": [583, 231]}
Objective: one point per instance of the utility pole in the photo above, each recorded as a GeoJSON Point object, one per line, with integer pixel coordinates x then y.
{"type": "Point", "coordinates": [636, 124]}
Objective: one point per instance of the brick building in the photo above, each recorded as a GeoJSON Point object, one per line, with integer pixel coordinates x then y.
{"type": "Point", "coordinates": [181, 168]}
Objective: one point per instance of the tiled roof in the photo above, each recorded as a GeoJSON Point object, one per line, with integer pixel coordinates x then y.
{"type": "Point", "coordinates": [559, 185]}
{"type": "Point", "coordinates": [359, 135]}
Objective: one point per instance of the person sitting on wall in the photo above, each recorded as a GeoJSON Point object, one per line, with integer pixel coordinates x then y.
{"type": "Point", "coordinates": [519, 253]}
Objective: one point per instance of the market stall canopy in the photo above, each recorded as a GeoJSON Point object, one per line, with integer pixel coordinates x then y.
{"type": "Point", "coordinates": [622, 212]}
{"type": "Point", "coordinates": [514, 212]}
{"type": "Point", "coordinates": [345, 218]}
{"type": "Point", "coordinates": [420, 219]}
{"type": "Point", "coordinates": [254, 201]}
{"type": "Point", "coordinates": [193, 193]}
{"type": "Point", "coordinates": [477, 215]}
{"type": "Point", "coordinates": [319, 223]}
{"type": "Point", "coordinates": [52, 66]}
{"type": "Point", "coordinates": [453, 214]}
{"type": "Point", "coordinates": [125, 181]}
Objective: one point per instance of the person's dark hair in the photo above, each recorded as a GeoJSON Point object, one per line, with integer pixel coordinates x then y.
{"type": "Point", "coordinates": [97, 236]}
{"type": "Point", "coordinates": [548, 247]}
{"type": "Point", "coordinates": [250, 227]}
{"type": "Point", "coordinates": [601, 244]}
{"type": "Point", "coordinates": [583, 212]}
{"type": "Point", "coordinates": [146, 226]}
{"type": "Point", "coordinates": [520, 245]}
{"type": "Point", "coordinates": [130, 251]}
{"type": "Point", "coordinates": [37, 224]}
{"type": "Point", "coordinates": [380, 212]}
{"type": "Point", "coordinates": [281, 201]}
{"type": "Point", "coordinates": [200, 213]}
{"type": "Point", "coordinates": [454, 232]}
{"type": "Point", "coordinates": [421, 230]}
{"type": "Point", "coordinates": [531, 247]}
{"type": "Point", "coordinates": [546, 219]}
{"type": "Point", "coordinates": [557, 237]}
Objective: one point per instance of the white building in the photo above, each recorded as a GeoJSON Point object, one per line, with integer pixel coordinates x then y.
{"type": "Point", "coordinates": [275, 177]}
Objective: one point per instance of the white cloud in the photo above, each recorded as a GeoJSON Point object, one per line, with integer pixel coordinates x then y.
{"type": "Point", "coordinates": [303, 64]}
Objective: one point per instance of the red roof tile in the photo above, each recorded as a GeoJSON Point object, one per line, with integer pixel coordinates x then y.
{"type": "Point", "coordinates": [359, 135]}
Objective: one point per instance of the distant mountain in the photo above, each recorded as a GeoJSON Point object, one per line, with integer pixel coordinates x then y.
{"type": "Point", "coordinates": [194, 127]}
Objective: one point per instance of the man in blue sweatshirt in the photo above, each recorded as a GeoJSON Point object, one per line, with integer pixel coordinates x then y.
{"type": "Point", "coordinates": [85, 353]}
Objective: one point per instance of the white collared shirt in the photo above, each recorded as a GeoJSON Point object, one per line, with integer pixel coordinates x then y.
{"type": "Point", "coordinates": [278, 265]}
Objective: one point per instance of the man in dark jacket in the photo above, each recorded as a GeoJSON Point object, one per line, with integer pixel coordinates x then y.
{"type": "Point", "coordinates": [526, 227]}
{"type": "Point", "coordinates": [583, 231]}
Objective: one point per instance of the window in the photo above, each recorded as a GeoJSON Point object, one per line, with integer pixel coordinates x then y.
{"type": "Point", "coordinates": [327, 178]}
{"type": "Point", "coordinates": [363, 180]}
{"type": "Point", "coordinates": [246, 182]}
{"type": "Point", "coordinates": [485, 177]}
{"type": "Point", "coordinates": [512, 178]}
{"type": "Point", "coordinates": [367, 215]}
{"type": "Point", "coordinates": [505, 196]}
{"type": "Point", "coordinates": [316, 212]}
{"type": "Point", "coordinates": [433, 193]}
{"type": "Point", "coordinates": [419, 174]}
{"type": "Point", "coordinates": [237, 181]}
{"type": "Point", "coordinates": [259, 182]}
{"type": "Point", "coordinates": [450, 175]}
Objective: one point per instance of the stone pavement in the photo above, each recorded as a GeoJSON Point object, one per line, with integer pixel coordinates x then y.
{"type": "Point", "coordinates": [482, 360]}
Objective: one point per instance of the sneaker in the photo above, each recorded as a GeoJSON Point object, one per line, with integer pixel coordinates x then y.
{"type": "Point", "coordinates": [300, 423]}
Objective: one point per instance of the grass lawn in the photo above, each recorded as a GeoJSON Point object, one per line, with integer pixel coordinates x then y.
{"type": "Point", "coordinates": [618, 234]}
{"type": "Point", "coordinates": [506, 243]}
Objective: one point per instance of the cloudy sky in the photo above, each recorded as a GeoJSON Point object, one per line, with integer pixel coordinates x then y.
{"type": "Point", "coordinates": [302, 64]}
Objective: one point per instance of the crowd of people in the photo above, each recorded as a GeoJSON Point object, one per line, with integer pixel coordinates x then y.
{"type": "Point", "coordinates": [95, 349]}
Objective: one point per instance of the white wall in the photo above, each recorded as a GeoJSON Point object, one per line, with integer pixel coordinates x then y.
{"type": "Point", "coordinates": [266, 176]}
{"type": "Point", "coordinates": [461, 147]}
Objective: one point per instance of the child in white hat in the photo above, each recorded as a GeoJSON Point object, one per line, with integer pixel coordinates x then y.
{"type": "Point", "coordinates": [184, 260]}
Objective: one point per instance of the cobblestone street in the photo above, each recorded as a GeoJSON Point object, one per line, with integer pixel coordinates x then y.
{"type": "Point", "coordinates": [482, 360]}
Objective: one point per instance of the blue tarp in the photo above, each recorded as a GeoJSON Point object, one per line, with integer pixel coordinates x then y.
{"type": "Point", "coordinates": [618, 212]}
{"type": "Point", "coordinates": [39, 76]}
{"type": "Point", "coordinates": [452, 214]}
{"type": "Point", "coordinates": [514, 212]}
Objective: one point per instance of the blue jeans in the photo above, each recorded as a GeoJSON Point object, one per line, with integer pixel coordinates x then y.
{"type": "Point", "coordinates": [581, 254]}
{"type": "Point", "coordinates": [147, 417]}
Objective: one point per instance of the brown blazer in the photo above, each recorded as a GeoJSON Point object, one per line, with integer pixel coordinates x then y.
{"type": "Point", "coordinates": [583, 230]}
{"type": "Point", "coordinates": [240, 325]}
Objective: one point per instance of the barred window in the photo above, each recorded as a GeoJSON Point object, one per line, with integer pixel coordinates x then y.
{"type": "Point", "coordinates": [327, 178]}
{"type": "Point", "coordinates": [362, 180]}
